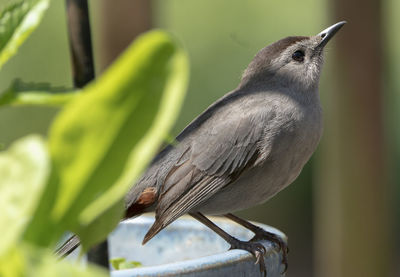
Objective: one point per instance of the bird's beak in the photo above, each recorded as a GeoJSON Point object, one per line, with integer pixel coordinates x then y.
{"type": "Point", "coordinates": [328, 33]}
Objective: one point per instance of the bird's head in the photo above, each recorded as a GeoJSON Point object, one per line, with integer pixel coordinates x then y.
{"type": "Point", "coordinates": [292, 62]}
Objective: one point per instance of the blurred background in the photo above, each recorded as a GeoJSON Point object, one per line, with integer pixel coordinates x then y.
{"type": "Point", "coordinates": [342, 214]}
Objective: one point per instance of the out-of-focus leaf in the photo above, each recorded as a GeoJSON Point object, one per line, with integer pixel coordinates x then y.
{"type": "Point", "coordinates": [17, 21]}
{"type": "Point", "coordinates": [24, 94]}
{"type": "Point", "coordinates": [121, 263]}
{"type": "Point", "coordinates": [96, 230]}
{"type": "Point", "coordinates": [24, 169]}
{"type": "Point", "coordinates": [150, 123]}
{"type": "Point", "coordinates": [22, 260]}
{"type": "Point", "coordinates": [102, 140]}
{"type": "Point", "coordinates": [129, 264]}
{"type": "Point", "coordinates": [115, 262]}
{"type": "Point", "coordinates": [170, 140]}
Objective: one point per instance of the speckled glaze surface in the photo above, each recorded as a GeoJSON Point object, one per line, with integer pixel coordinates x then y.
{"type": "Point", "coordinates": [188, 248]}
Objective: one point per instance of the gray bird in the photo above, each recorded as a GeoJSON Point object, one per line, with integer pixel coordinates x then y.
{"type": "Point", "coordinates": [243, 149]}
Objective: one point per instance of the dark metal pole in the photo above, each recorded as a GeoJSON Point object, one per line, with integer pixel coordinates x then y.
{"type": "Point", "coordinates": [83, 72]}
{"type": "Point", "coordinates": [80, 42]}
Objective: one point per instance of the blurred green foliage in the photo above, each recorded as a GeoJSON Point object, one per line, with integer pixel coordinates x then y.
{"type": "Point", "coordinates": [17, 22]}
{"type": "Point", "coordinates": [98, 145]}
{"type": "Point", "coordinates": [24, 260]}
{"type": "Point", "coordinates": [36, 94]}
{"type": "Point", "coordinates": [36, 62]}
{"type": "Point", "coordinates": [24, 170]}
{"type": "Point", "coordinates": [103, 139]}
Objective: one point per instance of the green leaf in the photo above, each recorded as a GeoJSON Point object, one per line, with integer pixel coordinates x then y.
{"type": "Point", "coordinates": [102, 140]}
{"type": "Point", "coordinates": [24, 169]}
{"type": "Point", "coordinates": [23, 260]}
{"type": "Point", "coordinates": [130, 264]}
{"type": "Point", "coordinates": [17, 21]}
{"type": "Point", "coordinates": [162, 83]}
{"type": "Point", "coordinates": [96, 230]}
{"type": "Point", "coordinates": [115, 262]}
{"type": "Point", "coordinates": [23, 94]}
{"type": "Point", "coordinates": [121, 263]}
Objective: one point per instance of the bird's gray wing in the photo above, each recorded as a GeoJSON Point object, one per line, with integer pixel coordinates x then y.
{"type": "Point", "coordinates": [212, 160]}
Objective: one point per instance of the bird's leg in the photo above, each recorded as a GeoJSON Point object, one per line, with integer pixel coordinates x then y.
{"type": "Point", "coordinates": [262, 234]}
{"type": "Point", "coordinates": [255, 248]}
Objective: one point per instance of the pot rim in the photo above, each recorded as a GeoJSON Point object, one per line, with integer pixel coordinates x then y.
{"type": "Point", "coordinates": [213, 261]}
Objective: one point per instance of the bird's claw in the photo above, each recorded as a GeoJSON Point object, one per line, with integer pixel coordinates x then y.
{"type": "Point", "coordinates": [256, 249]}
{"type": "Point", "coordinates": [278, 241]}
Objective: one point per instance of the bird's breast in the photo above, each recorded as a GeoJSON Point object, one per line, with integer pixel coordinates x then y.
{"type": "Point", "coordinates": [290, 144]}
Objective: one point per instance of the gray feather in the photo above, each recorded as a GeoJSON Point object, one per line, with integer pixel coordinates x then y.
{"type": "Point", "coordinates": [209, 163]}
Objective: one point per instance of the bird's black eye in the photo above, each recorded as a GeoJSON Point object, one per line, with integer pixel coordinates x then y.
{"type": "Point", "coordinates": [298, 56]}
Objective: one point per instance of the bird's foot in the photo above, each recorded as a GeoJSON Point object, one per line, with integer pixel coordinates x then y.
{"type": "Point", "coordinates": [255, 248]}
{"type": "Point", "coordinates": [261, 234]}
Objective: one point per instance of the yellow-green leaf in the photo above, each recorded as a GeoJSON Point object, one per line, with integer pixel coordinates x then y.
{"type": "Point", "coordinates": [24, 169]}
{"type": "Point", "coordinates": [102, 140]}
{"type": "Point", "coordinates": [121, 263]}
{"type": "Point", "coordinates": [24, 260]}
{"type": "Point", "coordinates": [17, 21]}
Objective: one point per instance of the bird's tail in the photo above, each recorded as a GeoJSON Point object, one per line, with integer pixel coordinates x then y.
{"type": "Point", "coordinates": [144, 201]}
{"type": "Point", "coordinates": [73, 242]}
{"type": "Point", "coordinates": [70, 245]}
